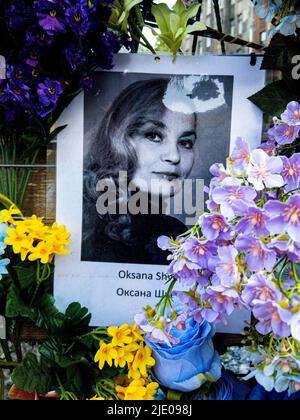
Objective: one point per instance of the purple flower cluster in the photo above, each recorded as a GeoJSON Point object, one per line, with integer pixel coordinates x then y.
{"type": "Point", "coordinates": [51, 49]}
{"type": "Point", "coordinates": [246, 250]}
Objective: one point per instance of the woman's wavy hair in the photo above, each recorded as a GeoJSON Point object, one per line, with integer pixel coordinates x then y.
{"type": "Point", "coordinates": [111, 151]}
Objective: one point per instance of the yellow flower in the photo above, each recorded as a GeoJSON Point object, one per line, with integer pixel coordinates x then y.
{"type": "Point", "coordinates": [35, 227]}
{"type": "Point", "coordinates": [151, 390]}
{"type": "Point", "coordinates": [60, 234]}
{"type": "Point", "coordinates": [125, 355]}
{"type": "Point", "coordinates": [121, 335]}
{"type": "Point", "coordinates": [106, 353]}
{"type": "Point", "coordinates": [95, 398]}
{"type": "Point", "coordinates": [137, 334]}
{"type": "Point", "coordinates": [6, 215]}
{"type": "Point", "coordinates": [135, 391]}
{"type": "Point", "coordinates": [59, 249]}
{"type": "Point", "coordinates": [43, 251]}
{"type": "Point", "coordinates": [143, 360]}
{"type": "Point", "coordinates": [18, 239]}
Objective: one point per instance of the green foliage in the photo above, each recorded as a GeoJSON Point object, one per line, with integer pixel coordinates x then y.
{"type": "Point", "coordinates": [120, 13]}
{"type": "Point", "coordinates": [33, 374]}
{"type": "Point", "coordinates": [173, 24]}
{"type": "Point", "coordinates": [273, 98]}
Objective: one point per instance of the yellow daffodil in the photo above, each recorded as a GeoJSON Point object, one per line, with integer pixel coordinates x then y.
{"type": "Point", "coordinates": [106, 353]}
{"type": "Point", "coordinates": [137, 334]}
{"type": "Point", "coordinates": [125, 355]}
{"type": "Point", "coordinates": [151, 390]}
{"type": "Point", "coordinates": [60, 234]}
{"type": "Point", "coordinates": [143, 360]}
{"type": "Point", "coordinates": [18, 239]}
{"type": "Point", "coordinates": [120, 335]}
{"type": "Point", "coordinates": [6, 216]}
{"type": "Point", "coordinates": [135, 391]}
{"type": "Point", "coordinates": [43, 251]}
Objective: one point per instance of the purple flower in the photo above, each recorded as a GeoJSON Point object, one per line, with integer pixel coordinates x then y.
{"type": "Point", "coordinates": [284, 217]}
{"type": "Point", "coordinates": [214, 226]}
{"type": "Point", "coordinates": [285, 134]}
{"type": "Point", "coordinates": [264, 171]}
{"type": "Point", "coordinates": [258, 256]}
{"type": "Point", "coordinates": [291, 171]}
{"type": "Point", "coordinates": [285, 247]}
{"type": "Point", "coordinates": [219, 301]}
{"type": "Point", "coordinates": [226, 266]}
{"type": "Point", "coordinates": [253, 222]}
{"type": "Point", "coordinates": [50, 17]}
{"type": "Point", "coordinates": [292, 114]}
{"type": "Point", "coordinates": [185, 271]}
{"type": "Point", "coordinates": [260, 288]}
{"type": "Point", "coordinates": [269, 315]}
{"type": "Point", "coordinates": [77, 16]}
{"type": "Point", "coordinates": [76, 58]}
{"type": "Point", "coordinates": [230, 198]}
{"type": "Point", "coordinates": [239, 158]}
{"type": "Point", "coordinates": [49, 92]}
{"type": "Point", "coordinates": [199, 251]}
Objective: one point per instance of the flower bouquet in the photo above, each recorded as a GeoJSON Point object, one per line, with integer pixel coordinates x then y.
{"type": "Point", "coordinates": [243, 252]}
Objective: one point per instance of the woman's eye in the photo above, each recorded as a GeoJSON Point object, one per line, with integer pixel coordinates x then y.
{"type": "Point", "coordinates": [153, 136]}
{"type": "Point", "coordinates": [186, 143]}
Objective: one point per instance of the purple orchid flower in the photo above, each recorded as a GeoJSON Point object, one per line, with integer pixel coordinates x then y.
{"type": "Point", "coordinates": [264, 171]}
{"type": "Point", "coordinates": [291, 172]}
{"type": "Point", "coordinates": [284, 217]}
{"type": "Point", "coordinates": [230, 198]}
{"type": "Point", "coordinates": [292, 114]}
{"type": "Point", "coordinates": [258, 255]}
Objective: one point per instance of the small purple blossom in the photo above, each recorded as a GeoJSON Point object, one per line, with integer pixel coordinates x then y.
{"type": "Point", "coordinates": [199, 251]}
{"type": "Point", "coordinates": [291, 172]}
{"type": "Point", "coordinates": [253, 222]}
{"type": "Point", "coordinates": [185, 271]}
{"type": "Point", "coordinates": [269, 314]}
{"type": "Point", "coordinates": [219, 303]}
{"type": "Point", "coordinates": [49, 92]}
{"type": "Point", "coordinates": [284, 217]}
{"type": "Point", "coordinates": [258, 255]}
{"type": "Point", "coordinates": [240, 156]}
{"type": "Point", "coordinates": [230, 198]}
{"type": "Point", "coordinates": [285, 247]}
{"type": "Point", "coordinates": [260, 287]}
{"type": "Point", "coordinates": [264, 171]}
{"type": "Point", "coordinates": [292, 114]}
{"type": "Point", "coordinates": [214, 226]}
{"type": "Point", "coordinates": [226, 266]}
{"type": "Point", "coordinates": [285, 134]}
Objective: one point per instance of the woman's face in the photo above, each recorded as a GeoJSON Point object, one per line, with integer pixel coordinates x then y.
{"type": "Point", "coordinates": [164, 145]}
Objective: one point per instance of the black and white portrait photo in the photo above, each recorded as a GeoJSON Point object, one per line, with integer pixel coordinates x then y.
{"type": "Point", "coordinates": [132, 164]}
{"type": "Point", "coordinates": [147, 128]}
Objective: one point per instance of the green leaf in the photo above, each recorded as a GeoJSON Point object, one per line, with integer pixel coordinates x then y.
{"type": "Point", "coordinates": [179, 7]}
{"type": "Point", "coordinates": [76, 319]}
{"type": "Point", "coordinates": [189, 13]}
{"type": "Point", "coordinates": [33, 375]}
{"type": "Point", "coordinates": [47, 315]}
{"type": "Point", "coordinates": [161, 12]}
{"type": "Point", "coordinates": [15, 306]}
{"type": "Point", "coordinates": [26, 276]}
{"type": "Point", "coordinates": [196, 26]}
{"type": "Point", "coordinates": [273, 98]}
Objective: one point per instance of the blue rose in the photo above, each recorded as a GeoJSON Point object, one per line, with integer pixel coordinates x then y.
{"type": "Point", "coordinates": [186, 366]}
